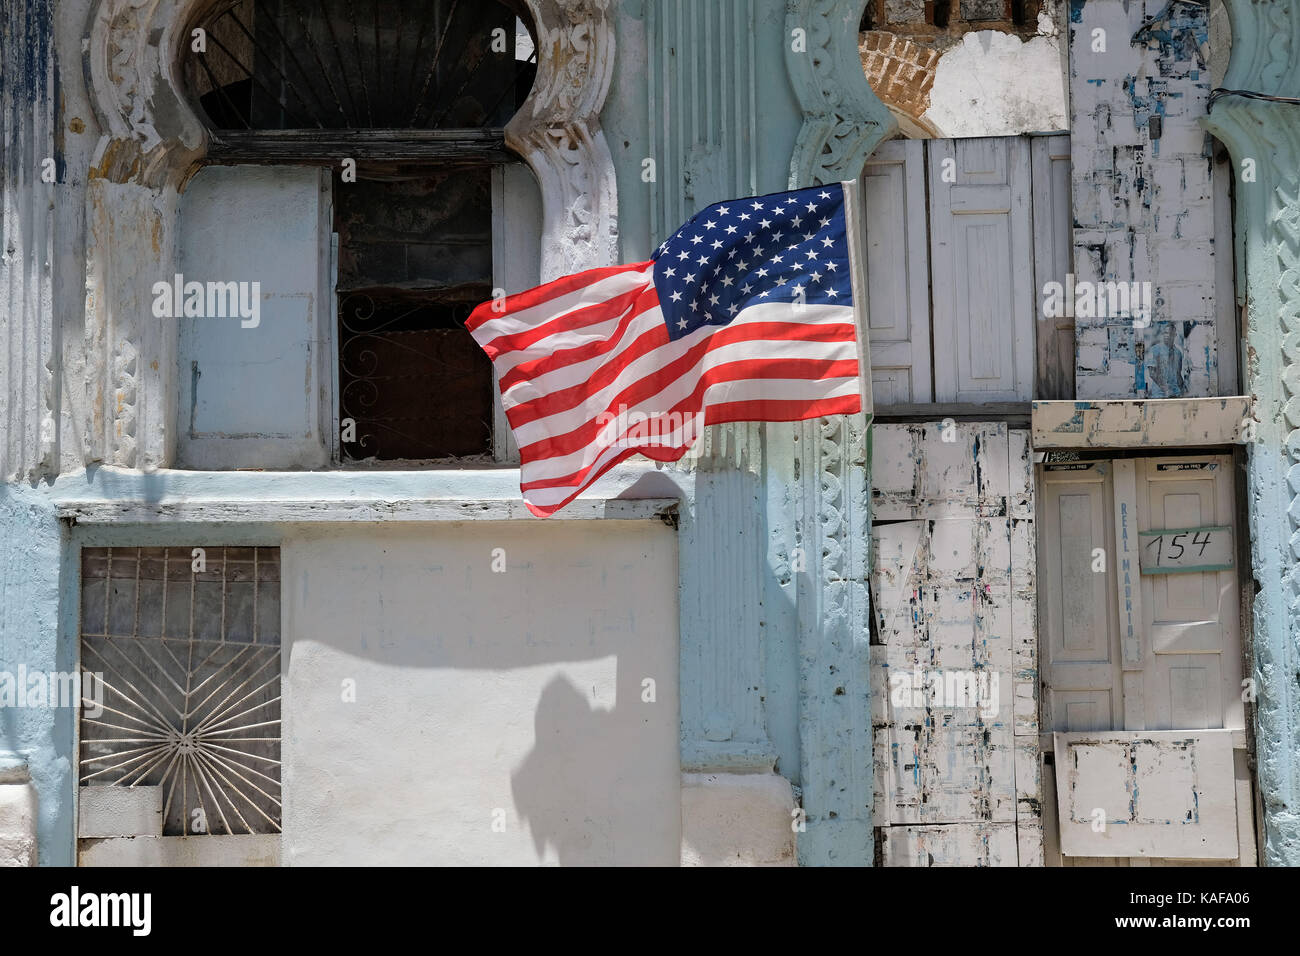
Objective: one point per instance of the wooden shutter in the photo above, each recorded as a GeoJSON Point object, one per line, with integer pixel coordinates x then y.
{"type": "Point", "coordinates": [1053, 261]}
{"type": "Point", "coordinates": [982, 270]}
{"type": "Point", "coordinates": [898, 273]}
{"type": "Point", "coordinates": [252, 397]}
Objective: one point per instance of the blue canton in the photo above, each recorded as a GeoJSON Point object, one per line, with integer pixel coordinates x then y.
{"type": "Point", "coordinates": [789, 248]}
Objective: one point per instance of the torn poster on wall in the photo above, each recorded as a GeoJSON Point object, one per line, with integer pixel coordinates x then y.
{"type": "Point", "coordinates": [1143, 198]}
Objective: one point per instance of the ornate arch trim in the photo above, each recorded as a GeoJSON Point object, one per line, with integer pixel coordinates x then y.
{"type": "Point", "coordinates": [843, 119]}
{"type": "Point", "coordinates": [153, 137]}
{"type": "Point", "coordinates": [1264, 138]}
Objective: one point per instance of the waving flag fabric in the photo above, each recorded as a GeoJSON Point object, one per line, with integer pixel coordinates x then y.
{"type": "Point", "coordinates": [746, 313]}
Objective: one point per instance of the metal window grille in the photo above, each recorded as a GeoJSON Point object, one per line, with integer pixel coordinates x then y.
{"type": "Point", "coordinates": [384, 64]}
{"type": "Point", "coordinates": [187, 643]}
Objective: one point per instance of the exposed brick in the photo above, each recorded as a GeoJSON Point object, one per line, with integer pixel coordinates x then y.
{"type": "Point", "coordinates": [900, 71]}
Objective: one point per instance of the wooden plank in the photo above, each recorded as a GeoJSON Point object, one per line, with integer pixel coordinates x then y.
{"type": "Point", "coordinates": [898, 273]}
{"type": "Point", "coordinates": [1012, 413]}
{"type": "Point", "coordinates": [330, 147]}
{"type": "Point", "coordinates": [1053, 261]}
{"type": "Point", "coordinates": [964, 844]}
{"type": "Point", "coordinates": [1140, 423]}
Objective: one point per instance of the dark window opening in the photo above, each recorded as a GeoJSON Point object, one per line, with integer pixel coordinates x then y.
{"type": "Point", "coordinates": [940, 11]}
{"type": "Point", "coordinates": [415, 257]}
{"type": "Point", "coordinates": [337, 64]}
{"type": "Point", "coordinates": [868, 17]}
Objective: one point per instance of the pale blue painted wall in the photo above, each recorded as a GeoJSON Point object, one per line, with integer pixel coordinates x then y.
{"type": "Point", "coordinates": [32, 634]}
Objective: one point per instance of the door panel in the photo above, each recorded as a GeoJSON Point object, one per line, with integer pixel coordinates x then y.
{"type": "Point", "coordinates": [1192, 659]}
{"type": "Point", "coordinates": [1081, 669]}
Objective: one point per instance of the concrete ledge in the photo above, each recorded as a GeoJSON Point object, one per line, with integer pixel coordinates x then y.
{"type": "Point", "coordinates": [18, 808]}
{"type": "Point", "coordinates": [1153, 423]}
{"type": "Point", "coordinates": [737, 819]}
{"type": "Point", "coordinates": [106, 495]}
{"type": "Point", "coordinates": [356, 509]}
{"type": "Point", "coordinates": [253, 849]}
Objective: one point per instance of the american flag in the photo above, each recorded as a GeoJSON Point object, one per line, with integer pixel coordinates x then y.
{"type": "Point", "coordinates": [746, 313]}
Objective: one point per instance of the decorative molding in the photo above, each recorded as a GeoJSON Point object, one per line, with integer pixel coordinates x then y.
{"type": "Point", "coordinates": [843, 123]}
{"type": "Point", "coordinates": [557, 132]}
{"type": "Point", "coordinates": [1266, 136]}
{"type": "Point", "coordinates": [843, 119]}
{"type": "Point", "coordinates": [702, 94]}
{"type": "Point", "coordinates": [151, 135]}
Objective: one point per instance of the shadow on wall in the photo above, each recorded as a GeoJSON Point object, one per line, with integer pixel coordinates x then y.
{"type": "Point", "coordinates": [563, 787]}
{"type": "Point", "coordinates": [499, 717]}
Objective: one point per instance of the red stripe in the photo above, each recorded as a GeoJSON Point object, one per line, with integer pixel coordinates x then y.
{"type": "Point", "coordinates": [581, 353]}
{"type": "Point", "coordinates": [545, 293]}
{"type": "Point", "coordinates": [566, 398]}
{"type": "Point", "coordinates": [745, 369]}
{"type": "Point", "coordinates": [545, 511]}
{"type": "Point", "coordinates": [581, 318]}
{"type": "Point", "coordinates": [769, 410]}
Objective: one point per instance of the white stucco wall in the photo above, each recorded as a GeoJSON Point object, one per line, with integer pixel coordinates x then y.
{"type": "Point", "coordinates": [996, 84]}
{"type": "Point", "coordinates": [512, 697]}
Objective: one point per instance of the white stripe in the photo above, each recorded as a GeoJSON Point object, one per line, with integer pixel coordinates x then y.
{"type": "Point", "coordinates": [740, 390]}
{"type": "Point", "coordinates": [670, 392]}
{"type": "Point", "coordinates": [522, 320]}
{"type": "Point", "coordinates": [569, 375]}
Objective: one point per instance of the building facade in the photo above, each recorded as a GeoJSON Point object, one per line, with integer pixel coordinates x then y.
{"type": "Point", "coordinates": [258, 489]}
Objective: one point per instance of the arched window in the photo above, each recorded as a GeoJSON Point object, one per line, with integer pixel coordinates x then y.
{"type": "Point", "coordinates": [410, 65]}
{"type": "Point", "coordinates": [405, 100]}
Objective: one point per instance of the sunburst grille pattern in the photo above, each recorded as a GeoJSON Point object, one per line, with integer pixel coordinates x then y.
{"type": "Point", "coordinates": [186, 646]}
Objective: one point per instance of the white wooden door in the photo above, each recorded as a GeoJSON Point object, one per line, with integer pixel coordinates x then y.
{"type": "Point", "coordinates": [982, 269]}
{"type": "Point", "coordinates": [1140, 637]}
{"type": "Point", "coordinates": [898, 273]}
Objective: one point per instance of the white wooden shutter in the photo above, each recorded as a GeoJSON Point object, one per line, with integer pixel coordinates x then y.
{"type": "Point", "coordinates": [1082, 670]}
{"type": "Point", "coordinates": [898, 273]}
{"type": "Point", "coordinates": [982, 270]}
{"type": "Point", "coordinates": [257, 397]}
{"type": "Point", "coordinates": [1053, 261]}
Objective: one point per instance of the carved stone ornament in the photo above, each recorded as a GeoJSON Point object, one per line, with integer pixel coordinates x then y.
{"type": "Point", "coordinates": [1264, 140]}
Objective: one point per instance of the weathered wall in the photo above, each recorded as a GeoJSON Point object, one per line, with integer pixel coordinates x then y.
{"type": "Point", "coordinates": [1264, 139]}
{"type": "Point", "coordinates": [31, 541]}
{"type": "Point", "coordinates": [481, 695]}
{"type": "Point", "coordinates": [792, 549]}
{"type": "Point", "coordinates": [1143, 200]}
{"type": "Point", "coordinates": [955, 671]}
{"type": "Point", "coordinates": [982, 75]}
